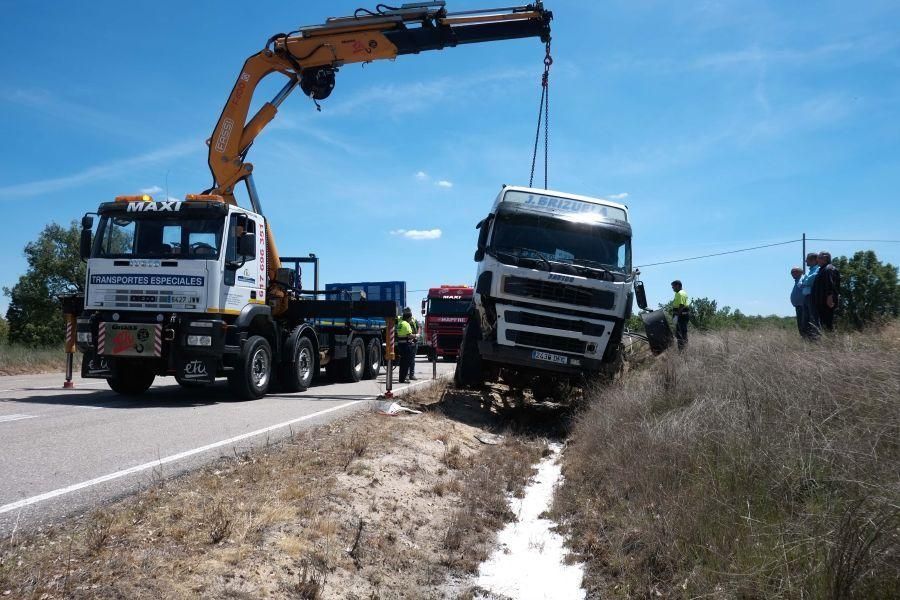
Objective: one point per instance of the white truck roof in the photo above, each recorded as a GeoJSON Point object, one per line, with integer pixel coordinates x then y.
{"type": "Point", "coordinates": [547, 201]}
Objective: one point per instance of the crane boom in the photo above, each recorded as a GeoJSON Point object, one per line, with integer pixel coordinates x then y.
{"type": "Point", "coordinates": [310, 56]}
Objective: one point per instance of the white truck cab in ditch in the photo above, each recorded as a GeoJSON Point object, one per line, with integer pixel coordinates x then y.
{"type": "Point", "coordinates": [553, 290]}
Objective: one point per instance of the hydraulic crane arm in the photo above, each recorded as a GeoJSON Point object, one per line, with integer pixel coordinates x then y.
{"type": "Point", "coordinates": [310, 56]}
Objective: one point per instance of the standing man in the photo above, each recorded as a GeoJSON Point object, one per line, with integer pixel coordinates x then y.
{"type": "Point", "coordinates": [797, 298]}
{"type": "Point", "coordinates": [811, 324]}
{"type": "Point", "coordinates": [682, 312]}
{"type": "Point", "coordinates": [826, 290]}
{"type": "Point", "coordinates": [404, 331]}
{"type": "Point", "coordinates": [413, 340]}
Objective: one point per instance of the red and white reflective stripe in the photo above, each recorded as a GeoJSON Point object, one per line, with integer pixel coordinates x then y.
{"type": "Point", "coordinates": [101, 339]}
{"type": "Point", "coordinates": [157, 343]}
{"type": "Point", "coordinates": [434, 339]}
{"type": "Point", "coordinates": [70, 333]}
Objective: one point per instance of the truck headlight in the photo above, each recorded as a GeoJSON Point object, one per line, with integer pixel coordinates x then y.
{"type": "Point", "coordinates": [85, 337]}
{"type": "Point", "coordinates": [199, 340]}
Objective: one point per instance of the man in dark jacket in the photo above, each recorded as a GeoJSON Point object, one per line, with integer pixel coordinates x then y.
{"type": "Point", "coordinates": [826, 290]}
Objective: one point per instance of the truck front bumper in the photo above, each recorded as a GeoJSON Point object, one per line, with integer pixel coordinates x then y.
{"type": "Point", "coordinates": [524, 357]}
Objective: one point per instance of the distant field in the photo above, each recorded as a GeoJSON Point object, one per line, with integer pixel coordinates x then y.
{"type": "Point", "coordinates": [752, 465]}
{"type": "Point", "coordinates": [19, 360]}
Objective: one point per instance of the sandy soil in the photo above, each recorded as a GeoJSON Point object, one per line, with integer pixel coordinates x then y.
{"type": "Point", "coordinates": [368, 507]}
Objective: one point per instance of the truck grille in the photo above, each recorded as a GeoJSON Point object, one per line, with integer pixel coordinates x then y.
{"type": "Point", "coordinates": [147, 299]}
{"type": "Point", "coordinates": [549, 342]}
{"type": "Point", "coordinates": [559, 292]}
{"type": "Point", "coordinates": [449, 341]}
{"type": "Point", "coordinates": [517, 317]}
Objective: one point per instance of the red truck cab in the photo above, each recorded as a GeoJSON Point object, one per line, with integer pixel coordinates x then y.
{"type": "Point", "coordinates": [445, 311]}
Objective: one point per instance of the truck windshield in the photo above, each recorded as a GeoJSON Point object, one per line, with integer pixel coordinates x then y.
{"type": "Point", "coordinates": [592, 245]}
{"type": "Point", "coordinates": [154, 237]}
{"type": "Point", "coordinates": [442, 306]}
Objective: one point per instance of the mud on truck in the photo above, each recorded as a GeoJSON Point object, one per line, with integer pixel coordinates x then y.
{"type": "Point", "coordinates": [553, 291]}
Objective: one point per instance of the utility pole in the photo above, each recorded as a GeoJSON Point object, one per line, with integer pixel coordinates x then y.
{"type": "Point", "coordinates": [803, 260]}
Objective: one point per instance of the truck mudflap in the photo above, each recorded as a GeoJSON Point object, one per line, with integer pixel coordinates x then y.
{"type": "Point", "coordinates": [533, 358]}
{"type": "Point", "coordinates": [96, 367]}
{"type": "Point", "coordinates": [197, 369]}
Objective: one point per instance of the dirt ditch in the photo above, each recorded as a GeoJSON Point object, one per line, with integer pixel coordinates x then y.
{"type": "Point", "coordinates": [370, 506]}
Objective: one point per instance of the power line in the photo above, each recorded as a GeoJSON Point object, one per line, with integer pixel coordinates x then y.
{"type": "Point", "coordinates": [668, 262]}
{"type": "Point", "coordinates": [864, 241]}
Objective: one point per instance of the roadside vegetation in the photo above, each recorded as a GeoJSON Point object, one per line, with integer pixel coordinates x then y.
{"type": "Point", "coordinates": [366, 507]}
{"type": "Point", "coordinates": [20, 360]}
{"type": "Point", "coordinates": [752, 465]}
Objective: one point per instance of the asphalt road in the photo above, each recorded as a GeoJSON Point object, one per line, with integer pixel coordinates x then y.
{"type": "Point", "coordinates": [65, 452]}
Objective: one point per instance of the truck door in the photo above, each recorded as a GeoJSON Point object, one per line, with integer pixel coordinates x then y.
{"type": "Point", "coordinates": [244, 278]}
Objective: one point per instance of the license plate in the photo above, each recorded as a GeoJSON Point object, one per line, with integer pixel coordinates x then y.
{"type": "Point", "coordinates": [550, 357]}
{"type": "Point", "coordinates": [129, 339]}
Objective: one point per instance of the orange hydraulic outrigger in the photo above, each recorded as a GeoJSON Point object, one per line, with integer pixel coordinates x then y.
{"type": "Point", "coordinates": [310, 56]}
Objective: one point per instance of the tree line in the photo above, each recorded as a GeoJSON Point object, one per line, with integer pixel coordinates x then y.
{"type": "Point", "coordinates": [869, 293]}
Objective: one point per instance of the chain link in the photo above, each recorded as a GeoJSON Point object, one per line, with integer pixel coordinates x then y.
{"type": "Point", "coordinates": [543, 115]}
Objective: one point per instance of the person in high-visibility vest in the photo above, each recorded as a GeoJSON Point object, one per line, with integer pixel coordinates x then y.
{"type": "Point", "coordinates": [413, 341]}
{"type": "Point", "coordinates": [681, 310]}
{"type": "Point", "coordinates": [404, 348]}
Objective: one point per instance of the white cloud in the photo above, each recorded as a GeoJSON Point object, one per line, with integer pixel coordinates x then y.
{"type": "Point", "coordinates": [620, 196]}
{"type": "Point", "coordinates": [153, 189]}
{"type": "Point", "coordinates": [422, 176]}
{"type": "Point", "coordinates": [97, 172]}
{"type": "Point", "coordinates": [418, 234]}
{"type": "Point", "coordinates": [444, 183]}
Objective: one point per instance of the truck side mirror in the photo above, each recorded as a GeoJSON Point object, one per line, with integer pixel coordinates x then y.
{"type": "Point", "coordinates": [247, 245]}
{"type": "Point", "coordinates": [87, 222]}
{"type": "Point", "coordinates": [484, 227]}
{"type": "Point", "coordinates": [424, 304]}
{"type": "Point", "coordinates": [85, 245]}
{"type": "Point", "coordinates": [640, 294]}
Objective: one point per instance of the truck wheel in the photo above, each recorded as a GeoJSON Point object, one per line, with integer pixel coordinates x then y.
{"type": "Point", "coordinates": [253, 372]}
{"type": "Point", "coordinates": [469, 366]}
{"type": "Point", "coordinates": [131, 380]}
{"type": "Point", "coordinates": [373, 359]}
{"type": "Point", "coordinates": [298, 373]}
{"type": "Point", "coordinates": [355, 365]}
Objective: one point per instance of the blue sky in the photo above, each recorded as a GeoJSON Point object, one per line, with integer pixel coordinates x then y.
{"type": "Point", "coordinates": [721, 125]}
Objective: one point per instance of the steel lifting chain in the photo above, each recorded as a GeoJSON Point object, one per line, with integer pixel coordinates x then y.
{"type": "Point", "coordinates": [543, 115]}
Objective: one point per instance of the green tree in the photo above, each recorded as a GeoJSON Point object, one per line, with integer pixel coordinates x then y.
{"type": "Point", "coordinates": [869, 289]}
{"type": "Point", "coordinates": [54, 267]}
{"type": "Point", "coordinates": [4, 330]}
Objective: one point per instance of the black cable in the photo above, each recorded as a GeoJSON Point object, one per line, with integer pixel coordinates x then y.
{"type": "Point", "coordinates": [381, 8]}
{"type": "Point", "coordinates": [859, 241]}
{"type": "Point", "coordinates": [363, 10]}
{"type": "Point", "coordinates": [667, 262]}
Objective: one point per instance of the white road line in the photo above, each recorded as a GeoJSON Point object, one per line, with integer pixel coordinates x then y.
{"type": "Point", "coordinates": [174, 457]}
{"type": "Point", "coordinates": [7, 418]}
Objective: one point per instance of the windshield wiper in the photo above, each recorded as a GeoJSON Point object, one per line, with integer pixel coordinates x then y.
{"type": "Point", "coordinates": [538, 254]}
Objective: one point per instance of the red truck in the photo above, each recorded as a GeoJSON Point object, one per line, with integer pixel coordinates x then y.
{"type": "Point", "coordinates": [445, 311]}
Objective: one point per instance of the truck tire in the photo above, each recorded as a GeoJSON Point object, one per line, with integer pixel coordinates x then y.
{"type": "Point", "coordinates": [130, 379]}
{"type": "Point", "coordinates": [298, 372]}
{"type": "Point", "coordinates": [469, 371]}
{"type": "Point", "coordinates": [253, 372]}
{"type": "Point", "coordinates": [373, 359]}
{"type": "Point", "coordinates": [355, 364]}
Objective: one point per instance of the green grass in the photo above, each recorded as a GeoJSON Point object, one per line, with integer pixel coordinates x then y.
{"type": "Point", "coordinates": [19, 360]}
{"type": "Point", "coordinates": [752, 465]}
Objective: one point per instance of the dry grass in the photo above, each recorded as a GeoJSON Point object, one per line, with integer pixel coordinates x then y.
{"type": "Point", "coordinates": [19, 360]}
{"type": "Point", "coordinates": [360, 508]}
{"type": "Point", "coordinates": [753, 465]}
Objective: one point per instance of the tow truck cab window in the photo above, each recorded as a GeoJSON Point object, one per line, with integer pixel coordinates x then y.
{"type": "Point", "coordinates": [238, 225]}
{"type": "Point", "coordinates": [154, 237]}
